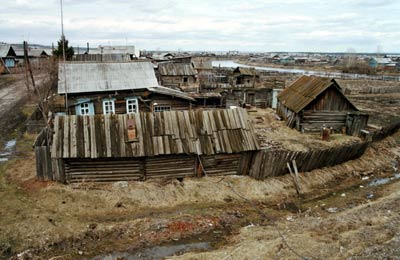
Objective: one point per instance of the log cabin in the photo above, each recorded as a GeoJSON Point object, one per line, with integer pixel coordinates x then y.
{"type": "Point", "coordinates": [179, 76]}
{"type": "Point", "coordinates": [116, 88]}
{"type": "Point", "coordinates": [145, 145]}
{"type": "Point", "coordinates": [312, 102]}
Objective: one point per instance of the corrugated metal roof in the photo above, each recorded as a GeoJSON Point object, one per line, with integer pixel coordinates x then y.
{"type": "Point", "coordinates": [198, 132]}
{"type": "Point", "coordinates": [176, 69]}
{"type": "Point", "coordinates": [99, 77]}
{"type": "Point", "coordinates": [304, 90]}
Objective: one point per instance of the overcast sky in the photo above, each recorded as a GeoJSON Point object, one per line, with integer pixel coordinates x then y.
{"type": "Point", "coordinates": [254, 25]}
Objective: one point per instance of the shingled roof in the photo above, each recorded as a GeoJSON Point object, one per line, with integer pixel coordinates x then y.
{"type": "Point", "coordinates": [172, 132]}
{"type": "Point", "coordinates": [306, 89]}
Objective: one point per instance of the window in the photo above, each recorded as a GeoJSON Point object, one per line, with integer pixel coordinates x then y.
{"type": "Point", "coordinates": [162, 108]}
{"type": "Point", "coordinates": [132, 105]}
{"type": "Point", "coordinates": [108, 106]}
{"type": "Point", "coordinates": [185, 79]}
{"type": "Point", "coordinates": [84, 107]}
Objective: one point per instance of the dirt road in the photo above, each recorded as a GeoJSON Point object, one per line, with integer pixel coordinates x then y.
{"type": "Point", "coordinates": [13, 97]}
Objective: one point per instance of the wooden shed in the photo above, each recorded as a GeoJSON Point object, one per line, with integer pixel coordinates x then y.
{"type": "Point", "coordinates": [311, 102]}
{"type": "Point", "coordinates": [182, 76]}
{"type": "Point", "coordinates": [142, 146]}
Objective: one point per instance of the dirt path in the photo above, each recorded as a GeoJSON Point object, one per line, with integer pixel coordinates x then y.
{"type": "Point", "coordinates": [13, 97]}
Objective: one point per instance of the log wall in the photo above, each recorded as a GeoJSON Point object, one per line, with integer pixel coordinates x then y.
{"type": "Point", "coordinates": [143, 168]}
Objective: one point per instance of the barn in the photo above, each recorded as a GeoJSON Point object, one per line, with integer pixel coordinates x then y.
{"type": "Point", "coordinates": [311, 102]}
{"type": "Point", "coordinates": [145, 145]}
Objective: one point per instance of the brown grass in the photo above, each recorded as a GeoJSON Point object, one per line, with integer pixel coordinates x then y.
{"type": "Point", "coordinates": [275, 134]}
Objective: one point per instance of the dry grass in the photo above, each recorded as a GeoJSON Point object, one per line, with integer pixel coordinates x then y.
{"type": "Point", "coordinates": [34, 213]}
{"type": "Point", "coordinates": [275, 133]}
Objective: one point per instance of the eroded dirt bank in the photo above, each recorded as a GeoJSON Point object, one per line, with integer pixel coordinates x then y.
{"type": "Point", "coordinates": [51, 220]}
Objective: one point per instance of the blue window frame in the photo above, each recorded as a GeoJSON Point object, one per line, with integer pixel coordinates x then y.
{"type": "Point", "coordinates": [84, 107]}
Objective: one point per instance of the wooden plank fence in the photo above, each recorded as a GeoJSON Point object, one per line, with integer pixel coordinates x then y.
{"type": "Point", "coordinates": [270, 163]}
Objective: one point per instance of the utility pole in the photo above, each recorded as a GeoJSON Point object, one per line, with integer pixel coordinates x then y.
{"type": "Point", "coordinates": [28, 64]}
{"type": "Point", "coordinates": [64, 59]}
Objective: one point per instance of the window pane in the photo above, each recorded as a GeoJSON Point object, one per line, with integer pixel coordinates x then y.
{"type": "Point", "coordinates": [132, 105]}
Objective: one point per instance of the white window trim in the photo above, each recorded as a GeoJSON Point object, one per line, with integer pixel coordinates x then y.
{"type": "Point", "coordinates": [127, 105]}
{"type": "Point", "coordinates": [112, 106]}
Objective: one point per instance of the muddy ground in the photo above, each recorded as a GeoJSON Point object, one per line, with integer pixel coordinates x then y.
{"type": "Point", "coordinates": [55, 221]}
{"type": "Point", "coordinates": [16, 104]}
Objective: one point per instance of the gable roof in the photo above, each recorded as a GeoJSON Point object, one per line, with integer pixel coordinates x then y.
{"type": "Point", "coordinates": [105, 76]}
{"type": "Point", "coordinates": [6, 50]}
{"type": "Point", "coordinates": [306, 89]}
{"type": "Point", "coordinates": [195, 132]}
{"type": "Point", "coordinates": [176, 69]}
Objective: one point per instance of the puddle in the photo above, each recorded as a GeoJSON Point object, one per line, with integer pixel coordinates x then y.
{"type": "Point", "coordinates": [10, 144]}
{"type": "Point", "coordinates": [383, 181]}
{"type": "Point", "coordinates": [7, 150]}
{"type": "Point", "coordinates": [157, 252]}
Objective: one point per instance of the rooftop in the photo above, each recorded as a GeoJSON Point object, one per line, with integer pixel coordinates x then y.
{"type": "Point", "coordinates": [304, 90]}
{"type": "Point", "coordinates": [196, 132]}
{"type": "Point", "coordinates": [103, 76]}
{"type": "Point", "coordinates": [176, 69]}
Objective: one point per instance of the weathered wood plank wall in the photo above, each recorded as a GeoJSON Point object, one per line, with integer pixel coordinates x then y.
{"type": "Point", "coordinates": [270, 163]}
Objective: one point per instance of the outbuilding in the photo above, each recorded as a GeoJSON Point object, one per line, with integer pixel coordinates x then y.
{"type": "Point", "coordinates": [312, 102]}
{"type": "Point", "coordinates": [180, 76]}
{"type": "Point", "coordinates": [141, 146]}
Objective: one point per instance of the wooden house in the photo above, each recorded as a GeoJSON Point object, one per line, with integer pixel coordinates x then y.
{"type": "Point", "coordinates": [141, 146]}
{"type": "Point", "coordinates": [245, 77]}
{"type": "Point", "coordinates": [7, 56]}
{"type": "Point", "coordinates": [381, 63]}
{"type": "Point", "coordinates": [181, 76]}
{"type": "Point", "coordinates": [117, 88]}
{"type": "Point", "coordinates": [311, 102]}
